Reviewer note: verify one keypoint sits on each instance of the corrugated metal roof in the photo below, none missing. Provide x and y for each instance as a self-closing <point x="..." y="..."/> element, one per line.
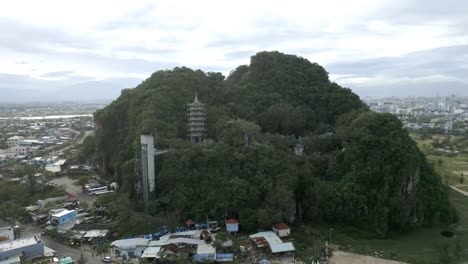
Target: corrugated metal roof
<point x="180" y="240"/>
<point x="206" y="249"/>
<point x="269" y="236"/>
<point x="271" y="239"/>
<point x="281" y="226"/>
<point x="232" y="221"/>
<point x="282" y="247"/>
<point x="131" y="243"/>
<point x="151" y="252"/>
<point x="96" y="233"/>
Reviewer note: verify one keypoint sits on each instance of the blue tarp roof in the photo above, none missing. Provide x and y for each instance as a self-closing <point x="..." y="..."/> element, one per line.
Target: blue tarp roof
<point x="203" y="257"/>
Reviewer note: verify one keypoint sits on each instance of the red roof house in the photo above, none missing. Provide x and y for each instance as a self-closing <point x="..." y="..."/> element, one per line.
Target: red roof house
<point x="282" y="230"/>
<point x="232" y="225"/>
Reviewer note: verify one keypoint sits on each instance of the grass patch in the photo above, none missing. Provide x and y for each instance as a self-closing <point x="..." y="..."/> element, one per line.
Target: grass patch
<point x="449" y="168"/>
<point x="423" y="245"/>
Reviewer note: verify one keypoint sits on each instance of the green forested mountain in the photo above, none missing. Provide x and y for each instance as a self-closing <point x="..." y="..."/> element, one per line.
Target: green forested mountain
<point x="358" y="167"/>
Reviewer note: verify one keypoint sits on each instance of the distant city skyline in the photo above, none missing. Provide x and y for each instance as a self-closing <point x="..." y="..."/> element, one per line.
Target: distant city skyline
<point x="85" y="50"/>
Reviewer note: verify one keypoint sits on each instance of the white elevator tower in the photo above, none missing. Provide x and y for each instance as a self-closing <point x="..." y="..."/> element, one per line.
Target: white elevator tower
<point x="147" y="167"/>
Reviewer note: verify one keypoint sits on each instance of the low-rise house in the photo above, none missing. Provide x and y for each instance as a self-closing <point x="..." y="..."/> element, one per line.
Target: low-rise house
<point x="57" y="166"/>
<point x="19" y="251"/>
<point x="96" y="236"/>
<point x="151" y="253"/>
<point x="282" y="230"/>
<point x="62" y="217"/>
<point x="232" y="226"/>
<point x="13" y="141"/>
<point x="273" y="242"/>
<point x="7" y="233"/>
<point x="205" y="253"/>
<point x="129" y="248"/>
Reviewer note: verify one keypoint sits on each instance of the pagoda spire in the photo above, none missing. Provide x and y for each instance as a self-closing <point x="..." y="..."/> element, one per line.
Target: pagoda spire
<point x="196" y="121"/>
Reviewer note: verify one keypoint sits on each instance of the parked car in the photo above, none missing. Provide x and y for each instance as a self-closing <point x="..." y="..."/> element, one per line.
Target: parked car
<point x="106" y="259"/>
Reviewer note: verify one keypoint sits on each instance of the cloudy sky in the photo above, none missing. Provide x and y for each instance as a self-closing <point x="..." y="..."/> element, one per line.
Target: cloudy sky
<point x="91" y="49"/>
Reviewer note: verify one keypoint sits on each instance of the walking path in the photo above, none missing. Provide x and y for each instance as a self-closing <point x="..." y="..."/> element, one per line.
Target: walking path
<point x="458" y="190"/>
<point x="341" y="257"/>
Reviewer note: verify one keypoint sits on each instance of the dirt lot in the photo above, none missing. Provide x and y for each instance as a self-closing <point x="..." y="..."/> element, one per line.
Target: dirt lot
<point x="341" y="257"/>
<point x="74" y="189"/>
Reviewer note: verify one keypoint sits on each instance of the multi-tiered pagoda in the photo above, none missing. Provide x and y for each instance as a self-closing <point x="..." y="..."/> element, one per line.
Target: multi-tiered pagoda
<point x="196" y="121"/>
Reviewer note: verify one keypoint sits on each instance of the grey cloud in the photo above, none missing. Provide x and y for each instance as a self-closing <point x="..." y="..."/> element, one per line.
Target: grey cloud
<point x="266" y="37"/>
<point x="428" y="12"/>
<point x="76" y="88"/>
<point x="410" y="88"/>
<point x="435" y="9"/>
<point x="144" y="17"/>
<point x="29" y="38"/>
<point x="57" y="74"/>
<point x="450" y="61"/>
<point x="241" y="54"/>
<point x="442" y="70"/>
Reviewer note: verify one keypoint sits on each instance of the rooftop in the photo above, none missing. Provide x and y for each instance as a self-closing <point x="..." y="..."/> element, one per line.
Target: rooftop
<point x="96" y="233"/>
<point x="269" y="238"/>
<point x="196" y="102"/>
<point x="281" y="226"/>
<point x="282" y="247"/>
<point x="206" y="249"/>
<point x="14" y="244"/>
<point x="151" y="252"/>
<point x="232" y="221"/>
<point x="15" y="138"/>
<point x="130" y="243"/>
<point x="180" y="240"/>
<point x="63" y="213"/>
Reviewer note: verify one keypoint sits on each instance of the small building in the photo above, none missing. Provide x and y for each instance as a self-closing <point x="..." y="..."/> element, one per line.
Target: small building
<point x="13" y="141"/>
<point x="190" y="224"/>
<point x="67" y="260"/>
<point x="57" y="166"/>
<point x="7" y="233"/>
<point x="224" y="257"/>
<point x="62" y="217"/>
<point x="232" y="225"/>
<point x="282" y="230"/>
<point x="19" y="251"/>
<point x="96" y="236"/>
<point x="129" y="248"/>
<point x="151" y="253"/>
<point x="270" y="240"/>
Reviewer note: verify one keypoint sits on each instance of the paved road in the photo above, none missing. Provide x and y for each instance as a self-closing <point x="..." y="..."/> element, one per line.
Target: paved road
<point x="62" y="250"/>
<point x="458" y="190"/>
<point x="74" y="189"/>
<point x="87" y="133"/>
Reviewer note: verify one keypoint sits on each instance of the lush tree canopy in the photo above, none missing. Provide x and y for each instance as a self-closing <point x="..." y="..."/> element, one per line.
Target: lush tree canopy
<point x="358" y="167"/>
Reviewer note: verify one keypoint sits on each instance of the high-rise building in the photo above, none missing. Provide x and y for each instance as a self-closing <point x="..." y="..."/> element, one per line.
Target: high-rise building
<point x="196" y="121"/>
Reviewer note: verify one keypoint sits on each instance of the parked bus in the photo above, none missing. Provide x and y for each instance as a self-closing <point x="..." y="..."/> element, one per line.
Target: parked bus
<point x="97" y="189"/>
<point x="102" y="192"/>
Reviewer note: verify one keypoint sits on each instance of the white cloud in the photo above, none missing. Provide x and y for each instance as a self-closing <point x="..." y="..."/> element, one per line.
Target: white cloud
<point x="108" y="38"/>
